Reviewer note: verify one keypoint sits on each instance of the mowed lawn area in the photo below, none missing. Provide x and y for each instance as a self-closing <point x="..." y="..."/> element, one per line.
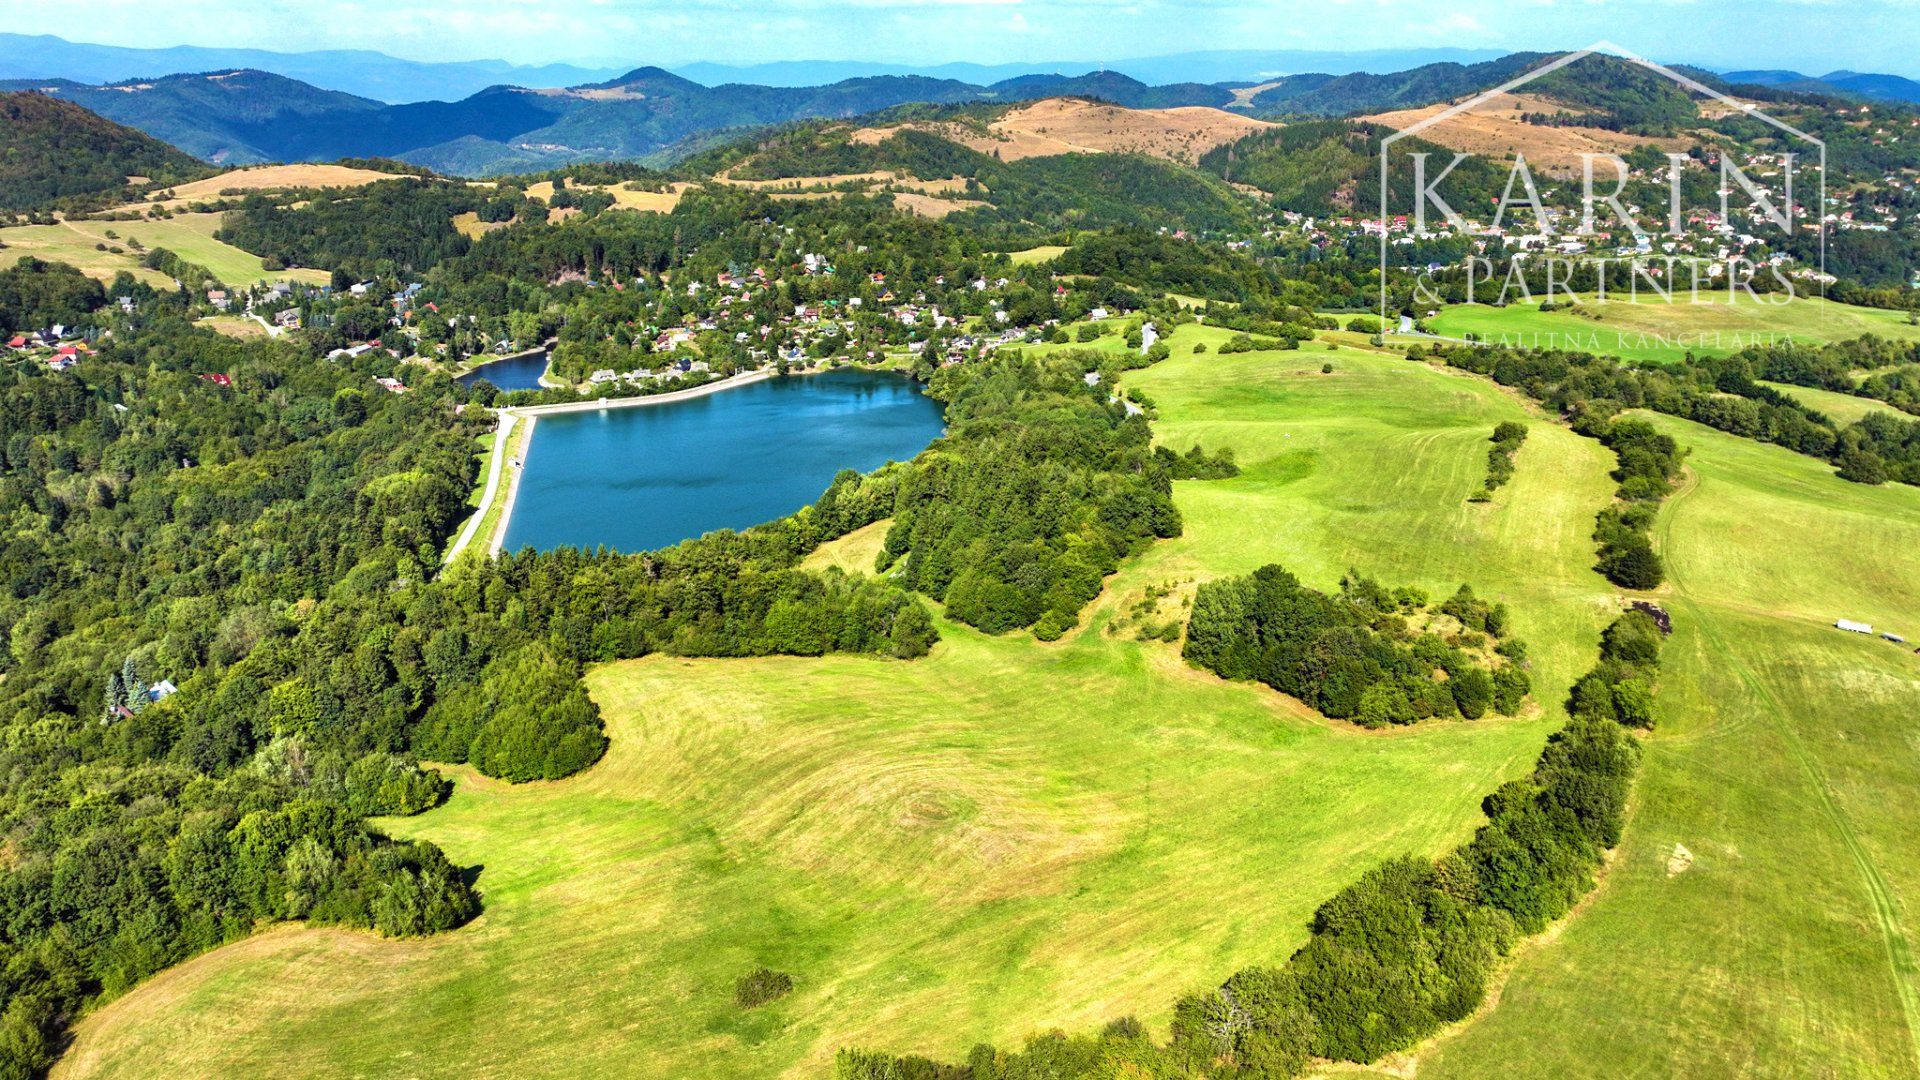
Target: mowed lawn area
<point x="1002" y="838"/>
<point x="1655" y="330"/>
<point x="189" y="236"/>
<point x="1785" y="765"/>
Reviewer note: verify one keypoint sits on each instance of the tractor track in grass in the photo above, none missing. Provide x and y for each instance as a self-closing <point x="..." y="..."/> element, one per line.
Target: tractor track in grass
<point x="1886" y="909"/>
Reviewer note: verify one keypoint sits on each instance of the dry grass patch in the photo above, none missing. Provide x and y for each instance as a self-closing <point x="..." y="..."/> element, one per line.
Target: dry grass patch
<point x="1075" y="126"/>
<point x="1494" y="129"/>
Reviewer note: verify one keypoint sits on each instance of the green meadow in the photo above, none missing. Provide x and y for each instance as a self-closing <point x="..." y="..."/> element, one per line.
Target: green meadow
<point x="1716" y="325"/>
<point x="189" y="236"/>
<point x="1761" y="915"/>
<point x="999" y="839"/>
<point x="1008" y="836"/>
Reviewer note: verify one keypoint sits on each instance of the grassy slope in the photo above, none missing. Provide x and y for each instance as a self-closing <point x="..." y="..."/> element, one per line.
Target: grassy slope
<point x="1783" y="763"/>
<point x="1840" y="408"/>
<point x="1666" y="332"/>
<point x="997" y="839"/>
<point x="189" y="236"/>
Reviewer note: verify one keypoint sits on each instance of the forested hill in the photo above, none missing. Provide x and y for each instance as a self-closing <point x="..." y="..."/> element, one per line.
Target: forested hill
<point x="652" y="115"/>
<point x="239" y="117"/>
<point x="52" y="149"/>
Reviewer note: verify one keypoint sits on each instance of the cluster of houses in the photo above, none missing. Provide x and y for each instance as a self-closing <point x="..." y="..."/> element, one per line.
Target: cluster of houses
<point x="57" y="346"/>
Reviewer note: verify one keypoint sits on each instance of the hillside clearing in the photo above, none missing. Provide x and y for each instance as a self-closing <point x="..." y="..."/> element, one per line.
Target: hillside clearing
<point x="1785" y="948"/>
<point x="1494" y="128"/>
<point x="1078" y="126"/>
<point x="189" y="236"/>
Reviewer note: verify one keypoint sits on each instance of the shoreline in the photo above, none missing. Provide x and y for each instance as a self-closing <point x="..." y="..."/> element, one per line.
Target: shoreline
<point x="499" y="536"/>
<point x="531" y="414"/>
<point x="595" y="404"/>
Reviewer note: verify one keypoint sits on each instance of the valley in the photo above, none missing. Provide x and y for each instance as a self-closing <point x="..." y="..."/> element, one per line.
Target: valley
<point x="958" y="574"/>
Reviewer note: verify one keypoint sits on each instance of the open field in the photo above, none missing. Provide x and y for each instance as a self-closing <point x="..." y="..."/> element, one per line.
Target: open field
<point x="260" y="178"/>
<point x="189" y="236"/>
<point x="238" y="326"/>
<point x="1001" y="838"/>
<point x="857" y="552"/>
<point x="1785" y="763"/>
<point x="1667" y="332"/>
<point x="1033" y="255"/>
<point x="1077" y="126"/>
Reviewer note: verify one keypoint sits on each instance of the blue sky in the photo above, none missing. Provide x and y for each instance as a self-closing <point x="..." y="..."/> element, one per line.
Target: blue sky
<point x="1812" y="35"/>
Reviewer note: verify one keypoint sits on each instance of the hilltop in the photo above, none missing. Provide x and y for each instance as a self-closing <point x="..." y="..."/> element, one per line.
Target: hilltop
<point x="51" y="149"/>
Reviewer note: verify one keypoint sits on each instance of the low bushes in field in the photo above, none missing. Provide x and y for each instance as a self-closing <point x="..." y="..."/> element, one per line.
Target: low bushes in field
<point x="761" y="986"/>
<point x="1507" y="437"/>
<point x="1368" y="654"/>
<point x="1649" y="464"/>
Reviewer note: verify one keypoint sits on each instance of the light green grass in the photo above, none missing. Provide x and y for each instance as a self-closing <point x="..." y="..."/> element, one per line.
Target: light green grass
<point x="189" y="236"/>
<point x="1034" y="255"/>
<point x="1840" y="408"/>
<point x="1785" y="762"/>
<point x="998" y="839"/>
<point x="1667" y="332"/>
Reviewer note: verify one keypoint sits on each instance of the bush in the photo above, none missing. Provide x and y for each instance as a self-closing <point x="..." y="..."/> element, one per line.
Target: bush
<point x="761" y="986"/>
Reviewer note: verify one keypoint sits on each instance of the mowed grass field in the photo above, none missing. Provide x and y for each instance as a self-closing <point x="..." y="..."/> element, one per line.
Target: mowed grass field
<point x="999" y="839"/>
<point x="1786" y="760"/>
<point x="189" y="236"/>
<point x="1666" y="332"/>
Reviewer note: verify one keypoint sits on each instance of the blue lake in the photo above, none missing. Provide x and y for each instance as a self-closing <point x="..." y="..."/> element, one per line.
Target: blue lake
<point x="517" y="373"/>
<point x="650" y="476"/>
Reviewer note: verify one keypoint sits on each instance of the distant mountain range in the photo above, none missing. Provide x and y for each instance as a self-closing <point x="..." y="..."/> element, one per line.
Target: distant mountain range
<point x="1838" y="83"/>
<point x="235" y="116"/>
<point x="390" y="79"/>
<point x="247" y="116"/>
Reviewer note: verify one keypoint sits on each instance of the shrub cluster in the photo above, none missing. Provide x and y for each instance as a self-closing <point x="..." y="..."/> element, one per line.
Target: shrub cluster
<point x="1507" y="437"/>
<point x="761" y="986"/>
<point x="1649" y="463"/>
<point x="1367" y="654"/>
<point x="1398" y="954"/>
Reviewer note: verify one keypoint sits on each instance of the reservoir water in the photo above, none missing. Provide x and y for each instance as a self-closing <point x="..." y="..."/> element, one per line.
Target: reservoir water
<point x="513" y="373"/>
<point x="650" y="476"/>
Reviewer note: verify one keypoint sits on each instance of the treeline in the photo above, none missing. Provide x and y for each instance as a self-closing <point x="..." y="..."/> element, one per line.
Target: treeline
<point x="1649" y="463"/>
<point x="392" y="228"/>
<point x="1720" y="392"/>
<point x="1375" y="656"/>
<point x="1507" y="437"/>
<point x="1399" y="954"/>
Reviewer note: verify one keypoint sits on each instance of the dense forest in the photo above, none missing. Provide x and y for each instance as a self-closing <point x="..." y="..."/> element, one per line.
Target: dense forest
<point x="1376" y="656"/>
<point x="97" y="159"/>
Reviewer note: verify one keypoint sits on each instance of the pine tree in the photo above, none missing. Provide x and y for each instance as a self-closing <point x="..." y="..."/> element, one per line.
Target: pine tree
<point x="116" y="697"/>
<point x="133" y="691"/>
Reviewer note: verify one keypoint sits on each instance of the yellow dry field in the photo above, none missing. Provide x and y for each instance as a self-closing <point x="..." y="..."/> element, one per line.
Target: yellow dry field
<point x="1493" y="128"/>
<point x="1074" y="126"/>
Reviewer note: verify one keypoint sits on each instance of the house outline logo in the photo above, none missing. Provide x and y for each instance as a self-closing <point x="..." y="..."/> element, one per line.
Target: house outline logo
<point x="1598" y="48"/>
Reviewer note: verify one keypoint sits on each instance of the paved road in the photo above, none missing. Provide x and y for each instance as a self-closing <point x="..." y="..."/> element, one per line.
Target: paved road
<point x="500" y="434"/>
